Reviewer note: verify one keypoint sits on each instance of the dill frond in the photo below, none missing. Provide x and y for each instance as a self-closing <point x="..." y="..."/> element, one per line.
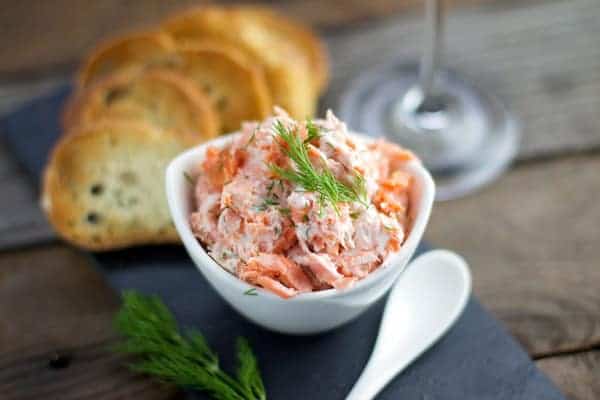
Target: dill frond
<point x="151" y="333"/>
<point x="248" y="372"/>
<point x="313" y="131"/>
<point x="321" y="180"/>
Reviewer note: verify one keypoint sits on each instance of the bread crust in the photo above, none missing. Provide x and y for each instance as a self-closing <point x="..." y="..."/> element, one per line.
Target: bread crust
<point x="100" y="192"/>
<point x="133" y="51"/>
<point x="164" y="98"/>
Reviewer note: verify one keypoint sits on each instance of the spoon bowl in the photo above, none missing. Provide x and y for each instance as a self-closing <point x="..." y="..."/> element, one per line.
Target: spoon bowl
<point x="422" y="306"/>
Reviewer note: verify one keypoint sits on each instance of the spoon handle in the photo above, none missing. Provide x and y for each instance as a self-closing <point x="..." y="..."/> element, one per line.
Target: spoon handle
<point x="422" y="305"/>
<point x="373" y="379"/>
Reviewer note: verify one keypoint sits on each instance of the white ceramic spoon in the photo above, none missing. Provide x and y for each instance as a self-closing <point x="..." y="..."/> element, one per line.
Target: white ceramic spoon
<point x="425" y="302"/>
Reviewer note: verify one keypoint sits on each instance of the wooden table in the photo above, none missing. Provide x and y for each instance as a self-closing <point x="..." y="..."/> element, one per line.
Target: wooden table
<point x="532" y="238"/>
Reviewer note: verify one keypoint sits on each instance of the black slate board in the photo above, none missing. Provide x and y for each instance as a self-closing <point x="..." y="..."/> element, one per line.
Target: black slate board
<point x="477" y="360"/>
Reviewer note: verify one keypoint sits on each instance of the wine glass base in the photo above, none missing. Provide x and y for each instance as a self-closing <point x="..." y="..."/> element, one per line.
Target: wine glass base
<point x="465" y="136"/>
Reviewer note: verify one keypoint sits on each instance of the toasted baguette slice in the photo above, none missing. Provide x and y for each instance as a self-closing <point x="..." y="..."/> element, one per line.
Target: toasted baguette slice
<point x="304" y="39"/>
<point x="130" y="52"/>
<point x="285" y="66"/>
<point x="163" y="98"/>
<point x="104" y="185"/>
<point x="237" y="88"/>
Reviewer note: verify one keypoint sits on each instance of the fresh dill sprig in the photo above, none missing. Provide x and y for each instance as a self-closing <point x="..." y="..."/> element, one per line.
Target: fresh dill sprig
<point x="251" y="292"/>
<point x="251" y="139"/>
<point x="151" y="333"/>
<point x="321" y="181"/>
<point x="271" y="202"/>
<point x="285" y="211"/>
<point x="188" y="178"/>
<point x="388" y="228"/>
<point x="266" y="204"/>
<point x="248" y="373"/>
<point x="270" y="188"/>
<point x="313" y="131"/>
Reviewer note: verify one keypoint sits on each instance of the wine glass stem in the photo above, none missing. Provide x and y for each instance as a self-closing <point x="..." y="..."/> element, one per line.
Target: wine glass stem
<point x="430" y="59"/>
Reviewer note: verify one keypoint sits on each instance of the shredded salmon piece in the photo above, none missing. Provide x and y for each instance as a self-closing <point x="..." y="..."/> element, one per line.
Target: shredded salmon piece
<point x="275" y="286"/>
<point x="221" y="166"/>
<point x="278" y="268"/>
<point x="398" y="182"/>
<point x="213" y="167"/>
<point x="285" y="241"/>
<point x="344" y="283"/>
<point x="321" y="266"/>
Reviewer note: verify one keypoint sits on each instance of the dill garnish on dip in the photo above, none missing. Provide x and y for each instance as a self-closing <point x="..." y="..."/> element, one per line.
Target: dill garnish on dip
<point x="300" y="206"/>
<point x="311" y="176"/>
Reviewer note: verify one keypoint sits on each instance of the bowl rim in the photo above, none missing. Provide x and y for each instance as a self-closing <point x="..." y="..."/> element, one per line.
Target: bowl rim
<point x="175" y="175"/>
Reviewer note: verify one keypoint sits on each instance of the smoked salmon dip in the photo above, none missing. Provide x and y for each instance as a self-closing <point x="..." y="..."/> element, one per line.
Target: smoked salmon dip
<point x="300" y="206"/>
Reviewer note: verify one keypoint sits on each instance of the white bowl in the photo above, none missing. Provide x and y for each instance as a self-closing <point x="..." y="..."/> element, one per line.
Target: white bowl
<point x="305" y="313"/>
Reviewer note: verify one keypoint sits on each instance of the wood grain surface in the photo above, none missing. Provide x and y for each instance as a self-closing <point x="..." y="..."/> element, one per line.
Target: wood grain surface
<point x="577" y="374"/>
<point x="56" y="328"/>
<point x="533" y="244"/>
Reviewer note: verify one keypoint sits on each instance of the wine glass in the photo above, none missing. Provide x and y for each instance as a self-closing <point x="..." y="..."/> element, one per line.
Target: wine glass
<point x="464" y="135"/>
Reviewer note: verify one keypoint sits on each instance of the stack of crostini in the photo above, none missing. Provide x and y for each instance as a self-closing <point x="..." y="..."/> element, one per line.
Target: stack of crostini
<point x="142" y="98"/>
